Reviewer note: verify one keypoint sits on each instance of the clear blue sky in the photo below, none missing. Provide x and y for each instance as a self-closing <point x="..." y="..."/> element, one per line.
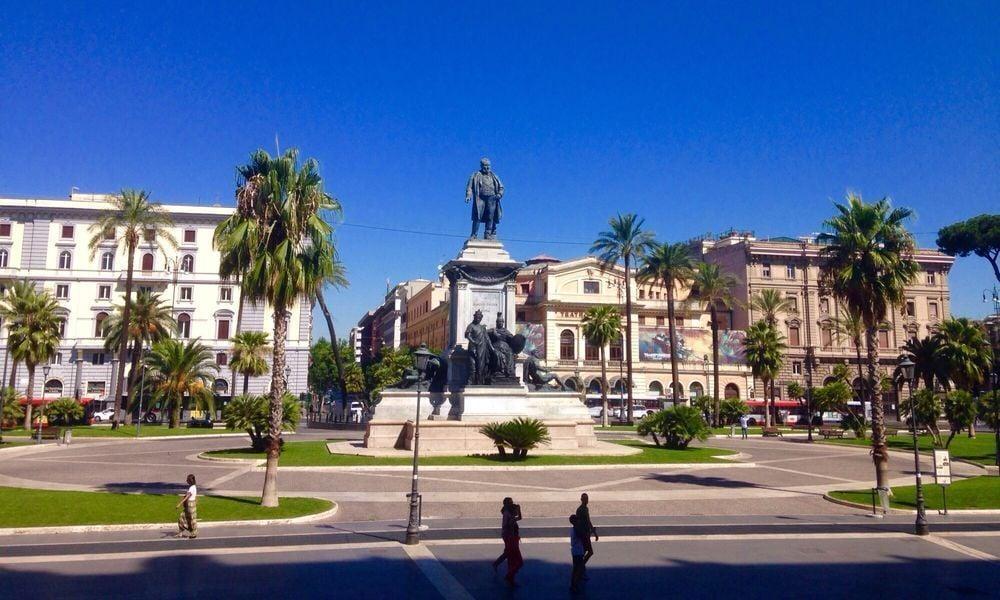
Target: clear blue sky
<point x="699" y="116"/>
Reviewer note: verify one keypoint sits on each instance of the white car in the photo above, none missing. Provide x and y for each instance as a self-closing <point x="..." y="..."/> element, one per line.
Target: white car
<point x="105" y="415"/>
<point x="638" y="412"/>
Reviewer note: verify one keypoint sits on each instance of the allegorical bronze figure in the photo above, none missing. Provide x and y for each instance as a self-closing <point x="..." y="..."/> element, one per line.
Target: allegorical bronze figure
<point x="484" y="191"/>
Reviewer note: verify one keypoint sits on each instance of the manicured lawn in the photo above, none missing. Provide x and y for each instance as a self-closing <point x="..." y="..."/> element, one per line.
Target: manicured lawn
<point x="20" y="507"/>
<point x="126" y="431"/>
<point x="11" y="444"/>
<point x="976" y="492"/>
<point x="314" y="454"/>
<point x="980" y="449"/>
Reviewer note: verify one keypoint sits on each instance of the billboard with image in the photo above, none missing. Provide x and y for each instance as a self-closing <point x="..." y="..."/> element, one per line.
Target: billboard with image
<point x="693" y="343"/>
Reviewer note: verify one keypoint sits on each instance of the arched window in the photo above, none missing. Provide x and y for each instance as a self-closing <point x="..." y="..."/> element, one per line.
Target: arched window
<point x="594" y="387"/>
<point x="147" y="261"/>
<point x="618" y="386"/>
<point x="829" y="380"/>
<point x="222" y="359"/>
<point x="696" y="389"/>
<point x="3" y="258"/>
<point x="184" y="325"/>
<point x="99" y="325"/>
<point x="567" y="345"/>
<point x="65" y="260"/>
<point x="656" y="387"/>
<point x="187" y="263"/>
<point x="680" y="389"/>
<point x="732" y="391"/>
<point x="221" y="387"/>
<point x="54" y="387"/>
<point x="107" y="261"/>
<point x="571" y="384"/>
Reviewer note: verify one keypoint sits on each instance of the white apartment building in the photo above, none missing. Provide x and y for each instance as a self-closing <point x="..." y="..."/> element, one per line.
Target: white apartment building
<point x="46" y="242"/>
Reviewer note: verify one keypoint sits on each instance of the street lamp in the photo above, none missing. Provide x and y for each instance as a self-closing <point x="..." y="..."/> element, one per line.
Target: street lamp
<point x="116" y="395"/>
<point x="907" y="368"/>
<point x="420" y="360"/>
<point x="142" y="385"/>
<point x="45" y="378"/>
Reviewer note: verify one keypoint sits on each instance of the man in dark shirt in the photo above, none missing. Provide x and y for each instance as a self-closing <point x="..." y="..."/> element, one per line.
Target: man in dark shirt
<point x="585" y="528"/>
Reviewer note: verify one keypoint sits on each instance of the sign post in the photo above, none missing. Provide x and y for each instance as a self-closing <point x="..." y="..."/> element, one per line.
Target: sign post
<point x="942" y="474"/>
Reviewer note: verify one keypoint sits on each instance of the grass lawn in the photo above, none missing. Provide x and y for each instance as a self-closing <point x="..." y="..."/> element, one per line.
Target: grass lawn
<point x="980" y="449"/>
<point x="11" y="444"/>
<point x="975" y="492"/>
<point x="125" y="431"/>
<point x="20" y="507"/>
<point x="315" y="454"/>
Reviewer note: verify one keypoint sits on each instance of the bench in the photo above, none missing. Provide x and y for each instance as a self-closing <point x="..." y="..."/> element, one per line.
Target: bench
<point x="771" y="432"/>
<point x="891" y="432"/>
<point x="48" y="432"/>
<point x="828" y="433"/>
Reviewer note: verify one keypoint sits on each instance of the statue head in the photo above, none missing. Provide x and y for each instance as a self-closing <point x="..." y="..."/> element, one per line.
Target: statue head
<point x="501" y="322"/>
<point x="477" y="317"/>
<point x="484" y="165"/>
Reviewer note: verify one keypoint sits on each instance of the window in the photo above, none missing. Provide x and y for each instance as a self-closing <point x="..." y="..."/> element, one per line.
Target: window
<point x="190" y="235"/>
<point x="99" y="327"/>
<point x="826" y="337"/>
<point x="62" y="328"/>
<point x="4" y="229"/>
<point x="65" y="260"/>
<point x="184" y="326"/>
<point x="567" y="345"/>
<point x="591" y="287"/>
<point x="660" y="321"/>
<point x="186" y="294"/>
<point x="222" y="359"/>
<point x="187" y="263"/>
<point x="796" y="367"/>
<point x="147" y="262"/>
<point x="520" y="316"/>
<point x="911" y="309"/>
<point x="58" y="358"/>
<point x="931" y="278"/>
<point x="525" y="288"/>
<point x="642" y="319"/>
<point x="104" y="292"/>
<point x="107" y="261"/>
<point x="145" y="289"/>
<point x="149" y="235"/>
<point x="793" y="304"/>
<point x="97" y="358"/>
<point x="95" y="388"/>
<point x="109" y="233"/>
<point x="3" y="258"/>
<point x="766" y="270"/>
<point x="678" y="321"/>
<point x="222" y="329"/>
<point x="62" y="291"/>
<point x="793" y="336"/>
<point x="932" y="309"/>
<point x="789" y="271"/>
<point x="54" y="387"/>
<point x="591" y="352"/>
<point x="883" y="338"/>
<point x="696" y="389"/>
<point x="225" y="294"/>
<point x="616" y="350"/>
<point x="657" y="295"/>
<point x="824" y="305"/>
<point x="733" y="391"/>
<point x="67" y="232"/>
<point x="642" y="294"/>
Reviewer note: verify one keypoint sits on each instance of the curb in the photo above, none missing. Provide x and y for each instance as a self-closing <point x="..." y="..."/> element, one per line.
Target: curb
<point x="156" y="526"/>
<point x="906" y="511"/>
<point x="648" y="466"/>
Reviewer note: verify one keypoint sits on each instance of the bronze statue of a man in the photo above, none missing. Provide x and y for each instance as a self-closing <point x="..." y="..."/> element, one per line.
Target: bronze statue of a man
<point x="480" y="350"/>
<point x="484" y="191"/>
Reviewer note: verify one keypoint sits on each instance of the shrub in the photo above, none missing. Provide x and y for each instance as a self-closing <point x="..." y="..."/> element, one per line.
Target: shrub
<point x="250" y="413"/>
<point x="732" y="409"/>
<point x="12" y="411"/>
<point x="856" y="423"/>
<point x="989" y="409"/>
<point x="926" y="405"/>
<point x="960" y="410"/>
<point x="64" y="411"/>
<point x="677" y="426"/>
<point x="494" y="431"/>
<point x="521" y="434"/>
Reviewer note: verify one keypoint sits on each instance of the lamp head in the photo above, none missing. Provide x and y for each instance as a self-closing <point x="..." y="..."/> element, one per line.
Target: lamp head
<point x="907" y="367"/>
<point x="421" y="357"/>
<point x="45" y="369"/>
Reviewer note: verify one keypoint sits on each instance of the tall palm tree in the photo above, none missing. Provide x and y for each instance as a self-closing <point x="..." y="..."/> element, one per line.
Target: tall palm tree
<point x="627" y="242"/>
<point x="601" y="326"/>
<point x="131" y="217"/>
<point x="33" y="332"/>
<point x="867" y="264"/>
<point x="250" y="355"/>
<point x="671" y="266"/>
<point x="325" y="269"/>
<point x="151" y="322"/>
<point x="765" y="350"/>
<point x="769" y="303"/>
<point x="178" y="370"/>
<point x="928" y="364"/>
<point x="16" y="300"/>
<point x="281" y="208"/>
<point x="713" y="286"/>
<point x="850" y="326"/>
<point x="966" y="354"/>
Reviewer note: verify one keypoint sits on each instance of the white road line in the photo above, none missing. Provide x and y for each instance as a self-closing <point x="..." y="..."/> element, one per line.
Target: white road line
<point x="228" y="476"/>
<point x="128" y="464"/>
<point x="469" y="481"/>
<point x="816" y="475"/>
<point x="961" y="549"/>
<point x="442" y="580"/>
<point x="814" y="457"/>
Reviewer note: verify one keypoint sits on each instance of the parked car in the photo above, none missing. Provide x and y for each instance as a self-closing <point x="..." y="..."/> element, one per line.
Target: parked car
<point x="638" y="412"/>
<point x="105" y="415"/>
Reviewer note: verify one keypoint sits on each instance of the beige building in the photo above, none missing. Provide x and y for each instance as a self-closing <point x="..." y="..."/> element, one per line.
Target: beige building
<point x="427" y="317"/>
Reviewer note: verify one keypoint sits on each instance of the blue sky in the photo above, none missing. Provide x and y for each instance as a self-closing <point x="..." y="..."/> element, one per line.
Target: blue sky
<point x="699" y="116"/>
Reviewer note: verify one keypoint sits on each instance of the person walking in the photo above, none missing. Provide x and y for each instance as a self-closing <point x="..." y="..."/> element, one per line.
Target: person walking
<point x="188" y="520"/>
<point x="744" y="421"/>
<point x="584" y="529"/>
<point x="576" y="552"/>
<point x="511" y="535"/>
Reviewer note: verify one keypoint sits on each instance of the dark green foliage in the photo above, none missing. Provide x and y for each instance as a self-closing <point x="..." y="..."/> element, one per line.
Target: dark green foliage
<point x="856" y="423"/>
<point x="322" y="367"/>
<point x="521" y="434"/>
<point x="978" y="235"/>
<point x="64" y="411"/>
<point x="678" y="426"/>
<point x="960" y="409"/>
<point x="249" y="413"/>
<point x="731" y="410"/>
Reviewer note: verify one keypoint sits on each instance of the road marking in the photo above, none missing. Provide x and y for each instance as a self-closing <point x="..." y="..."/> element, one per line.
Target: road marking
<point x="442" y="580"/>
<point x="961" y="549"/>
<point x="228" y="477"/>
<point x="816" y="475"/>
<point x="407" y="477"/>
<point x="127" y="464"/>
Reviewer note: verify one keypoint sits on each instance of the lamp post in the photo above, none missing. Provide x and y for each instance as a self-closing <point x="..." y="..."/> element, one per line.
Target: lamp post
<point x="116" y="396"/>
<point x="142" y="385"/>
<point x="420" y="359"/>
<point x="906" y="367"/>
<point x="45" y="378"/>
<point x="708" y="382"/>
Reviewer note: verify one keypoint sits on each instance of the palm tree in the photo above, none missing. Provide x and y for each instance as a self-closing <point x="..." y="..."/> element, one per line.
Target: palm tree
<point x="627" y="242"/>
<point x="928" y="363"/>
<point x="851" y="326"/>
<point x="33" y="332"/>
<point x="132" y="217"/>
<point x="15" y="301"/>
<point x="280" y="211"/>
<point x="323" y="269"/>
<point x="177" y="370"/>
<point x="713" y="286"/>
<point x="867" y="264"/>
<point x="249" y="355"/>
<point x="765" y="349"/>
<point x="770" y="302"/>
<point x="966" y="354"/>
<point x="601" y="326"/>
<point x="671" y="266"/>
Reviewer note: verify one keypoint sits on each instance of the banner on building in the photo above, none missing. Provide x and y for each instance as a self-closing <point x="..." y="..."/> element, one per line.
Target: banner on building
<point x="534" y="335"/>
<point x="693" y="343"/>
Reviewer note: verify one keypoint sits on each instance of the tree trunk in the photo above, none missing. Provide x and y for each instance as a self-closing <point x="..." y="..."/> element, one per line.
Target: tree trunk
<point x="175" y="413"/>
<point x="880" y="451"/>
<point x="239" y="326"/>
<point x="628" y="334"/>
<point x="123" y="343"/>
<point x="269" y="497"/>
<point x="605" y="422"/>
<point x="861" y="376"/>
<point x="715" y="366"/>
<point x="673" y="342"/>
<point x="13" y="373"/>
<point x="341" y="379"/>
<point x="27" y="394"/>
<point x="767" y="408"/>
<point x="246" y="383"/>
<point x="133" y="379"/>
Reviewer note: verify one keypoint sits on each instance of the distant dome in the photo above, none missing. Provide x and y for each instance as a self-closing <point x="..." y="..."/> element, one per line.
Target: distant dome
<point x="541" y="259"/>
